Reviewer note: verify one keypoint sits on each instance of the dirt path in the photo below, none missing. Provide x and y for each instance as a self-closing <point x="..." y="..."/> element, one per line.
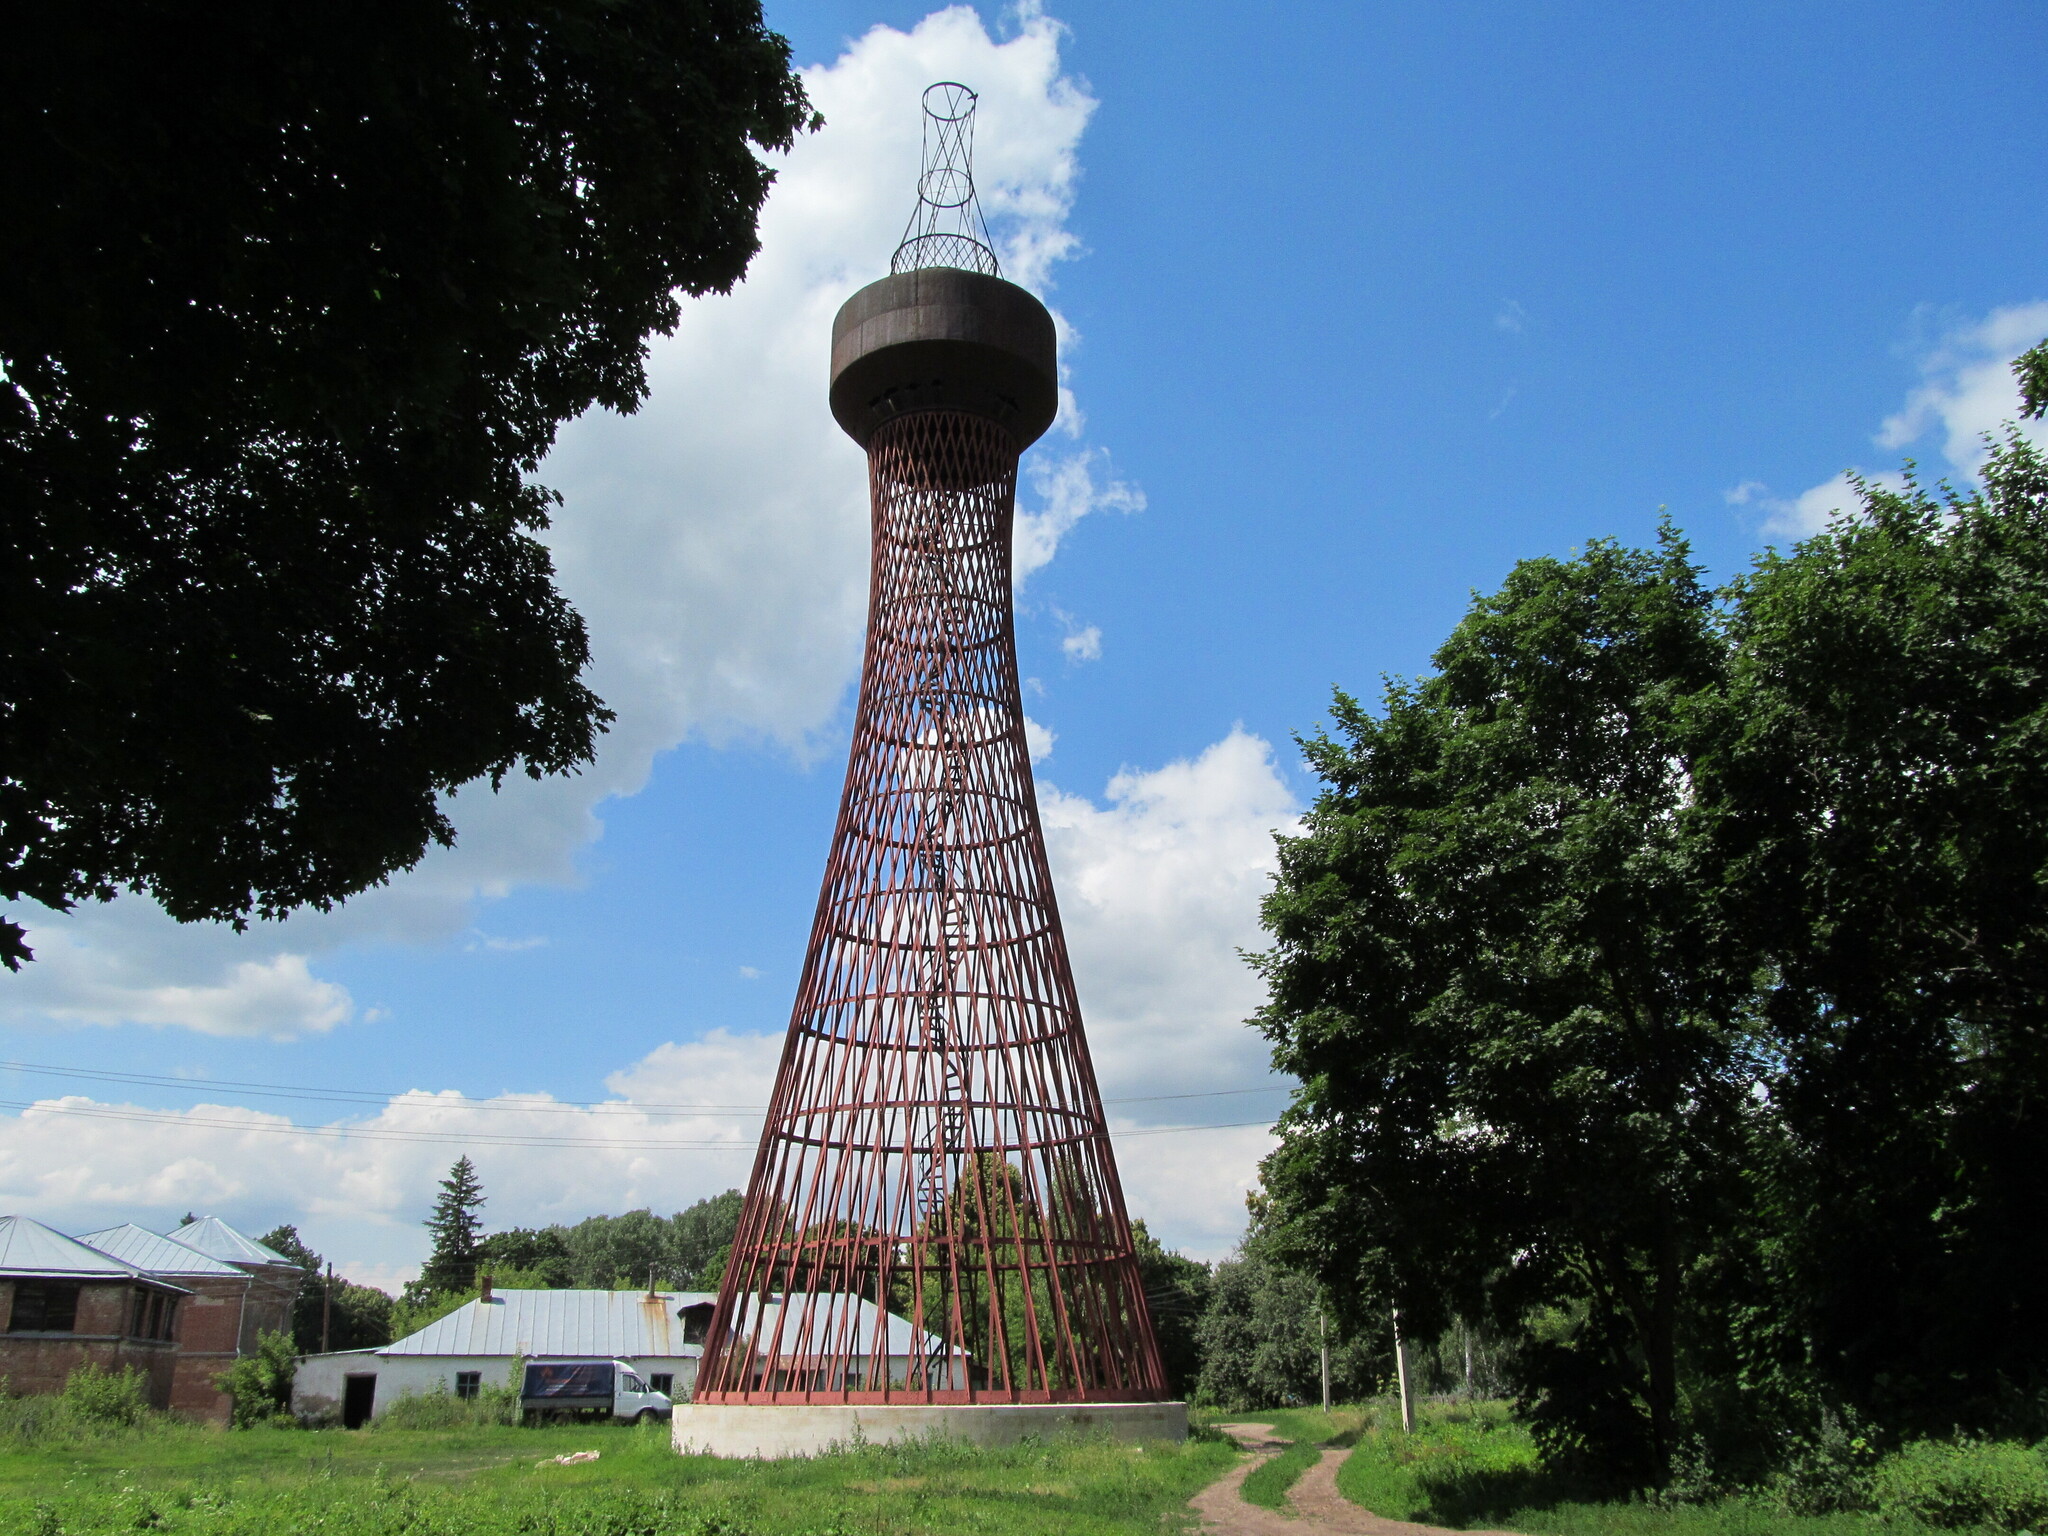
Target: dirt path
<point x="1318" y="1508"/>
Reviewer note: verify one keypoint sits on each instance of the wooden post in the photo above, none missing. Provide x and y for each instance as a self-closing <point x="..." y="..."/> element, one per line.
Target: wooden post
<point x="326" y="1307"/>
<point x="1401" y="1375"/>
<point x="1323" y="1336"/>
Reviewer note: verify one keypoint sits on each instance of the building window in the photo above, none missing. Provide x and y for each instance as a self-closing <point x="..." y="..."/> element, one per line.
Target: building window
<point x="166" y="1325"/>
<point x="663" y="1382"/>
<point x="468" y="1383"/>
<point x="138" y="1321"/>
<point x="44" y="1306"/>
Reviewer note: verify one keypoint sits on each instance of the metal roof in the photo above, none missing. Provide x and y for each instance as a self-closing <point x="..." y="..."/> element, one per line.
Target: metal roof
<point x="613" y="1324"/>
<point x="216" y="1239"/>
<point x="824" y="1313"/>
<point x="27" y="1247"/>
<point x="156" y="1253"/>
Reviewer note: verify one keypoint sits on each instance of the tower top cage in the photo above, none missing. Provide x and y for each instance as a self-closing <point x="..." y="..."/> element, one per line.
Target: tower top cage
<point x="946" y="228"/>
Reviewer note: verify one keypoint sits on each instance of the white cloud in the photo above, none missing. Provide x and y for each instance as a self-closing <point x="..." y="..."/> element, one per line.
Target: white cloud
<point x="1159" y="890"/>
<point x="1038" y="740"/>
<point x="277" y="997"/>
<point x="1808" y="513"/>
<point x="1511" y="318"/>
<point x="1083" y="644"/>
<point x="1967" y="388"/>
<point x="1159" y="887"/>
<point x="715" y="541"/>
<point x="82" y="1163"/>
<point x="1967" y="391"/>
<point x="749" y="973"/>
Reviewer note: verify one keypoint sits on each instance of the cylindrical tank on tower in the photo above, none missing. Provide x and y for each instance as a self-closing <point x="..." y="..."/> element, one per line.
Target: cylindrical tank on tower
<point x="939" y="338"/>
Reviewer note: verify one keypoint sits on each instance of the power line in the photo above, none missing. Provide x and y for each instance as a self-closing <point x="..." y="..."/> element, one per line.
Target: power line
<point x="479" y="1138"/>
<point x="497" y="1105"/>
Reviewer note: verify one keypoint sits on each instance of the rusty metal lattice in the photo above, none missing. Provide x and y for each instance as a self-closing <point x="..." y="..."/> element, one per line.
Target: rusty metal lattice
<point x="934" y="1214"/>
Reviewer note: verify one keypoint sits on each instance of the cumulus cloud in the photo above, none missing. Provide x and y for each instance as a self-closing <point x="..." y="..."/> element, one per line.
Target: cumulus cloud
<point x="277" y="997"/>
<point x="1967" y="392"/>
<point x="715" y="541"/>
<point x="1159" y="884"/>
<point x="1083" y="644"/>
<point x="1967" y="389"/>
<point x="1808" y="513"/>
<point x="682" y="1126"/>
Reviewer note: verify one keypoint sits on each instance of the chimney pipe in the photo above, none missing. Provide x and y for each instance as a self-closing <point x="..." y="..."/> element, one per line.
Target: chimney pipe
<point x="484" y="1288"/>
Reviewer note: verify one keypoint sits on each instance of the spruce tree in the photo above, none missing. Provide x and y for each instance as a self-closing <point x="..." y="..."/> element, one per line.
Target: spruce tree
<point x="457" y="1230"/>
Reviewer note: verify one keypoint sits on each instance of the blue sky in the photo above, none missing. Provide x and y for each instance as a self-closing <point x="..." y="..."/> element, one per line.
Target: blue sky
<point x="1364" y="303"/>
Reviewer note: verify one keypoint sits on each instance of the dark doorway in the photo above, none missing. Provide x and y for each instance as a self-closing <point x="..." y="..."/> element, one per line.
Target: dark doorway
<point x="358" y="1397"/>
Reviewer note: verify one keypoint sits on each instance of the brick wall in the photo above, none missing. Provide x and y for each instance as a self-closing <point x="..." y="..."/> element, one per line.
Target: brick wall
<point x="38" y="1363"/>
<point x="210" y="1326"/>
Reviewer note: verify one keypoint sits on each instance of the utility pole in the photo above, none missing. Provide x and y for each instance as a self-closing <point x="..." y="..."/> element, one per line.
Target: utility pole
<point x="1401" y="1375"/>
<point x="1323" y="1333"/>
<point x="326" y="1307"/>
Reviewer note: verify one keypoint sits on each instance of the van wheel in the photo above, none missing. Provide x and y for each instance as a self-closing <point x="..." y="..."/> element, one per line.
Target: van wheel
<point x="645" y="1416"/>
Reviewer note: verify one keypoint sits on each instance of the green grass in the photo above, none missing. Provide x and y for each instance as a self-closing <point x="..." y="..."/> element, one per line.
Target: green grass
<point x="1473" y="1467"/>
<point x="486" y="1482"/>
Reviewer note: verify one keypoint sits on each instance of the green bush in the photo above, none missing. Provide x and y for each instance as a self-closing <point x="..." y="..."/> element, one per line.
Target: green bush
<point x="96" y="1396"/>
<point x="442" y="1409"/>
<point x="261" y="1384"/>
<point x="1829" y="1472"/>
<point x="95" y="1404"/>
<point x="1956" y="1484"/>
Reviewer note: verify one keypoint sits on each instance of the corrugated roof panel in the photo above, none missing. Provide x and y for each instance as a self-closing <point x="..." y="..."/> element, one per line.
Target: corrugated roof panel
<point x="27" y="1247"/>
<point x="612" y="1324"/>
<point x="216" y="1239"/>
<point x="156" y="1253"/>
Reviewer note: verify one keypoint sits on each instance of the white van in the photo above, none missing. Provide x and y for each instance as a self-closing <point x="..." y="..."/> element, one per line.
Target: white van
<point x="594" y="1387"/>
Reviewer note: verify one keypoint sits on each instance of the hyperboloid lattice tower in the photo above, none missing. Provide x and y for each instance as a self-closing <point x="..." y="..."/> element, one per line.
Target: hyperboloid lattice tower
<point x="934" y="1216"/>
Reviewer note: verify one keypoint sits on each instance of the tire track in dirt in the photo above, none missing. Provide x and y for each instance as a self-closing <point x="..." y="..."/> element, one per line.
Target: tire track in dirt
<point x="1316" y="1507"/>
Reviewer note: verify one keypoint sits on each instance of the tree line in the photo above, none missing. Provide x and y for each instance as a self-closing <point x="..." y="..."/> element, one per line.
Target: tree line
<point x="1664" y="973"/>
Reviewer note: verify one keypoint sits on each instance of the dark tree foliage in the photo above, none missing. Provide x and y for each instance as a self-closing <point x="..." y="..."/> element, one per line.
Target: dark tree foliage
<point x="356" y="1316"/>
<point x="456" y="1228"/>
<point x="292" y="301"/>
<point x="1176" y="1294"/>
<point x="1665" y="977"/>
<point x="1884" y="795"/>
<point x="1497" y="975"/>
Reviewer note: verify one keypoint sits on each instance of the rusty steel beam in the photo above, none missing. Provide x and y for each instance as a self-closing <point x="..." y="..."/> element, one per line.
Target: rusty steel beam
<point x="934" y="1214"/>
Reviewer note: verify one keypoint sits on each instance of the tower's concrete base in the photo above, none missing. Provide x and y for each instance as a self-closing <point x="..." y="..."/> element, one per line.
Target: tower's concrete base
<point x="777" y="1430"/>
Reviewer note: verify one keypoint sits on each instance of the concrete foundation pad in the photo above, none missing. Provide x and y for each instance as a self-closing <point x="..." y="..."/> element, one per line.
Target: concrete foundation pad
<point x="777" y="1430"/>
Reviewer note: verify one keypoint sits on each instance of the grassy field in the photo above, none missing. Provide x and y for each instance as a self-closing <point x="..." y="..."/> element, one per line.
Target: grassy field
<point x="1475" y="1468"/>
<point x="502" y="1481"/>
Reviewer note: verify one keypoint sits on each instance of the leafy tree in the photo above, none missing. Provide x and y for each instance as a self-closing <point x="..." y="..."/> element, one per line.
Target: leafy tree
<point x="292" y="302"/>
<point x="456" y="1229"/>
<point x="541" y="1254"/>
<point x="1176" y="1293"/>
<point x="1522" y="1034"/>
<point x="704" y="1235"/>
<point x="350" y="1316"/>
<point x="1883" y="797"/>
<point x="1262" y="1333"/>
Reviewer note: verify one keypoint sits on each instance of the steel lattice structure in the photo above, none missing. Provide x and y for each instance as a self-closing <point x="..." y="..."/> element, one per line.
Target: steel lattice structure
<point x="934" y="1214"/>
<point x="946" y="228"/>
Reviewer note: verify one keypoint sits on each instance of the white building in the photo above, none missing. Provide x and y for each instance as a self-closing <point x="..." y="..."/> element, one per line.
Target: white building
<point x="659" y="1333"/>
